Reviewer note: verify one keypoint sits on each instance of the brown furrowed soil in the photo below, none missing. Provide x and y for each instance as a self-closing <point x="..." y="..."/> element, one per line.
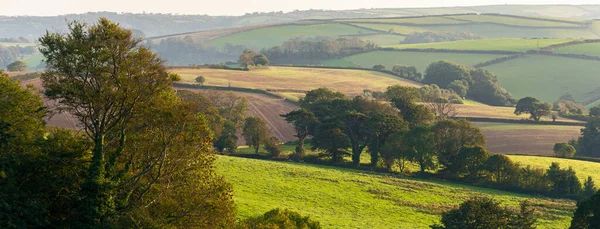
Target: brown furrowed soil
<point x="527" y="139"/>
<point x="54" y="117"/>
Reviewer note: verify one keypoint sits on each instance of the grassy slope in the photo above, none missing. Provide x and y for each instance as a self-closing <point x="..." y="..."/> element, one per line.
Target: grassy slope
<point x="342" y="198"/>
<point x="351" y="82"/>
<point x="276" y="35"/>
<point x="591" y="49"/>
<point x="547" y="77"/>
<point x="583" y="168"/>
<point x="508" y="44"/>
<point x="418" y="59"/>
<point x="513" y="20"/>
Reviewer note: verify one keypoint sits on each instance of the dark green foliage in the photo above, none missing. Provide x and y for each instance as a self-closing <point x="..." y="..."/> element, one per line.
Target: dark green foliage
<point x="255" y="132"/>
<point x="228" y="139"/>
<point x="200" y="80"/>
<point x="261" y="60"/>
<point x="279" y="219"/>
<point x="460" y="87"/>
<point x="587" y="215"/>
<point x="429" y="37"/>
<point x="535" y="108"/>
<point x="419" y="148"/>
<point x="470" y="163"/>
<point x="501" y="169"/>
<point x="477" y="84"/>
<point x="17" y="66"/>
<point x="304" y="122"/>
<point x="563" y="181"/>
<point x="564" y="150"/>
<point x="589" y="187"/>
<point x="404" y="99"/>
<point x="443" y="73"/>
<point x="483" y="212"/>
<point x="407" y="72"/>
<point x="485" y="88"/>
<point x="595" y="111"/>
<point x="379" y="67"/>
<point x="450" y="137"/>
<point x="589" y="141"/>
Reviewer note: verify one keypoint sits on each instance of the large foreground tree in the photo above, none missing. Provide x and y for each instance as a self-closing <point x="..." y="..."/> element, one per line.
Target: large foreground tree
<point x="150" y="159"/>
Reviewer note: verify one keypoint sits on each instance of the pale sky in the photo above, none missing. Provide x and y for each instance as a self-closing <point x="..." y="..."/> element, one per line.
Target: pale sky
<point x="233" y="7"/>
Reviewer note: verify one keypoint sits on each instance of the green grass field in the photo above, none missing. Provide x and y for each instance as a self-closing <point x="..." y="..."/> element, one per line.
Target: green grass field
<point x="402" y="29"/>
<point x="276" y="35"/>
<point x="418" y="59"/>
<point x="583" y="168"/>
<point x="343" y="198"/>
<point x="591" y="49"/>
<point x="351" y="82"/>
<point x="34" y="61"/>
<point x="506" y="44"/>
<point x="547" y="77"/>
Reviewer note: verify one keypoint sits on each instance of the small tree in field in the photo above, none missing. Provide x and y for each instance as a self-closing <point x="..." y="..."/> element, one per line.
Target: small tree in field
<point x="200" y="80"/>
<point x="564" y="150"/>
<point x="255" y="132"/>
<point x="534" y="107"/>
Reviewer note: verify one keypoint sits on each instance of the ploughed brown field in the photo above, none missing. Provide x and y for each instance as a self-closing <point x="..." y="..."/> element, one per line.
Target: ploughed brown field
<point x="54" y="118"/>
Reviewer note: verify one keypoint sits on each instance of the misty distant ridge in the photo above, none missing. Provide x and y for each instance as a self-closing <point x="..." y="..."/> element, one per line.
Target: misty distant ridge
<point x="156" y="24"/>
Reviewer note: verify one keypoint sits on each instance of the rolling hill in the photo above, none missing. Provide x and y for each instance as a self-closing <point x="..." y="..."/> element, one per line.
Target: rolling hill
<point x="334" y="195"/>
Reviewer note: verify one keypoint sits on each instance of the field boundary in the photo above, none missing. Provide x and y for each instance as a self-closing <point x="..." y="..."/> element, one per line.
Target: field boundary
<point x="387" y="72"/>
<point x="498" y="52"/>
<point x="517" y="121"/>
<point x="237" y="89"/>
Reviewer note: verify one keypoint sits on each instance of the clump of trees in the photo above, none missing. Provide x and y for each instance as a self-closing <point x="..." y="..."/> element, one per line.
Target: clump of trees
<point x="564" y="150"/>
<point x="484" y="212"/>
<point x="477" y="84"/>
<point x="587" y="214"/>
<point x="123" y="170"/>
<point x="430" y="37"/>
<point x="407" y="72"/>
<point x="255" y="132"/>
<point x="17" y="66"/>
<point x="11" y="54"/>
<point x="532" y="106"/>
<point x="250" y="58"/>
<point x="313" y="50"/>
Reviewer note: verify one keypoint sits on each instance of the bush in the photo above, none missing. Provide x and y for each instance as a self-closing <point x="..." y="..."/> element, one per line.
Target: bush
<point x="279" y="219"/>
<point x="272" y="147"/>
<point x="564" y="150"/>
<point x="379" y="67"/>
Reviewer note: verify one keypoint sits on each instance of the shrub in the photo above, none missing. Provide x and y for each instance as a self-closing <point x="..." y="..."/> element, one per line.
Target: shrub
<point x="564" y="150"/>
<point x="279" y="219"/>
<point x="272" y="147"/>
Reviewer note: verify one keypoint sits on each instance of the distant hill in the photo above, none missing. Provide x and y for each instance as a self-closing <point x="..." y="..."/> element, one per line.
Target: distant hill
<point x="163" y="24"/>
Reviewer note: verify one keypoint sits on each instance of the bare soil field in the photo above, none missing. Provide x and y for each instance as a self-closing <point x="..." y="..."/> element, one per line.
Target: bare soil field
<point x="54" y="118"/>
<point x="526" y="139"/>
<point x="478" y="110"/>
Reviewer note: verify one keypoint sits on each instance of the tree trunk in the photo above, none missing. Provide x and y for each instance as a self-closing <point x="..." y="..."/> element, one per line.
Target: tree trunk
<point x="94" y="195"/>
<point x="300" y="146"/>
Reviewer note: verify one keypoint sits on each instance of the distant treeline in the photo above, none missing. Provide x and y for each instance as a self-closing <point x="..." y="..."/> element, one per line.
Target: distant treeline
<point x="315" y="49"/>
<point x="430" y="37"/>
<point x="190" y="50"/>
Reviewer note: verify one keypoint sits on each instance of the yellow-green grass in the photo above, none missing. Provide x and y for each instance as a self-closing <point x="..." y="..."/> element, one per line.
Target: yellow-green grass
<point x="409" y="20"/>
<point x="34" y="61"/>
<point x="582" y="168"/>
<point x="292" y="95"/>
<point x="527" y="139"/>
<point x="502" y="44"/>
<point x="276" y="35"/>
<point x="478" y="110"/>
<point x="548" y="77"/>
<point x="514" y="20"/>
<point x="591" y="49"/>
<point x="344" y="198"/>
<point x="418" y="59"/>
<point x="350" y="82"/>
<point x="382" y="39"/>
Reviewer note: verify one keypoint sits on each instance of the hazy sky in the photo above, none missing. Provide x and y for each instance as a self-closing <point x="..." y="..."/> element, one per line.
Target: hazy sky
<point x="233" y="7"/>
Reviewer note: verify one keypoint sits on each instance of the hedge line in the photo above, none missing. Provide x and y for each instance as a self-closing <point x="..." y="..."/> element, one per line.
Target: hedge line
<point x="555" y="46"/>
<point x="516" y="121"/>
<point x="500" y="52"/>
<point x="578" y="56"/>
<point x="238" y="89"/>
<point x="497" y="60"/>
